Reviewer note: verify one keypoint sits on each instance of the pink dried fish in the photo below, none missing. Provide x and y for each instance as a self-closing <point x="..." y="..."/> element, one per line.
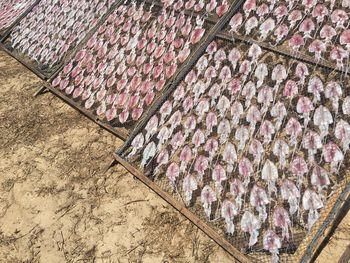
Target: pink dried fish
<point x="256" y="149"/>
<point x="266" y="27"/>
<point x="265" y="97"/>
<point x="342" y="133"/>
<point x="236" y="112"/>
<point x="312" y="142"/>
<point x="211" y="146"/>
<point x="228" y="211"/>
<point x="323" y="118"/>
<point x="234" y="56"/>
<point x="223" y="105"/>
<point x="250" y="224"/>
<point x="218" y="176"/>
<point x="304" y="107"/>
<point x="208" y="196"/>
<point x="293" y="128"/>
<point x="162" y="136"/>
<point x="253" y="117"/>
<point x="251" y="23"/>
<point x="254" y="52"/>
<point x="248" y="92"/>
<point x="162" y="159"/>
<point x="173" y="172"/>
<point x="333" y="155"/>
<point x="189" y="125"/>
<point x="290" y="193"/>
<point x="242" y="136"/>
<point x="272" y="243"/>
<point x="312" y="202"/>
<point x="200" y="166"/>
<point x="290" y="89"/>
<point x="229" y="156"/>
<point x="151" y="127"/>
<point x="185" y="158"/>
<point x="189" y="185"/>
<point x="302" y="72"/>
<point x="148" y="153"/>
<point x="224" y="129"/>
<point x="245" y="169"/>
<point x="211" y="121"/>
<point x="202" y="108"/>
<point x="299" y="168"/>
<point x="259" y="200"/>
<point x="137" y="144"/>
<point x="237" y="190"/>
<point x="333" y="91"/>
<point x="269" y="173"/>
<point x="319" y="177"/>
<point x="267" y="129"/>
<point x="281" y="219"/>
<point x="279" y="112"/>
<point x="315" y="87"/>
<point x="281" y="150"/>
<point x="236" y="22"/>
<point x="261" y="72"/>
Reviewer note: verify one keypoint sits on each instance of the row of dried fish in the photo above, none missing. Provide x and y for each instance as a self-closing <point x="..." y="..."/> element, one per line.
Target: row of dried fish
<point x="11" y="10"/>
<point x="129" y="59"/>
<point x="53" y="27"/>
<point x="248" y="135"/>
<point x="209" y="7"/>
<point x="320" y="29"/>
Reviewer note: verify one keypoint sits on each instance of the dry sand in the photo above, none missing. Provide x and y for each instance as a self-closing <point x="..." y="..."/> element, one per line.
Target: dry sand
<point x="59" y="204"/>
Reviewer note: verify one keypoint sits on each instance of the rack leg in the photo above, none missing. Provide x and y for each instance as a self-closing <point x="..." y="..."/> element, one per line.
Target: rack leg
<point x="40" y="91"/>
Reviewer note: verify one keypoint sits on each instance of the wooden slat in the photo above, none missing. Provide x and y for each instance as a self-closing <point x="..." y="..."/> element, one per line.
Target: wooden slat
<point x="184" y="211"/>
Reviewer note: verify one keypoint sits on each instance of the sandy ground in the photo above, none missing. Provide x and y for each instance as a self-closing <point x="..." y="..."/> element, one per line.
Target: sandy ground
<point x="59" y="204"/>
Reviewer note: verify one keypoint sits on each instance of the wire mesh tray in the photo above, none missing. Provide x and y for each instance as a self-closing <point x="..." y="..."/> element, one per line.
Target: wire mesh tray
<point x="181" y="151"/>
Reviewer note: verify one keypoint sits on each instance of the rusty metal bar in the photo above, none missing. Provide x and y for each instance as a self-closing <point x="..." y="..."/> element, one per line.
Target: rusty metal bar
<point x="184" y="211"/>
